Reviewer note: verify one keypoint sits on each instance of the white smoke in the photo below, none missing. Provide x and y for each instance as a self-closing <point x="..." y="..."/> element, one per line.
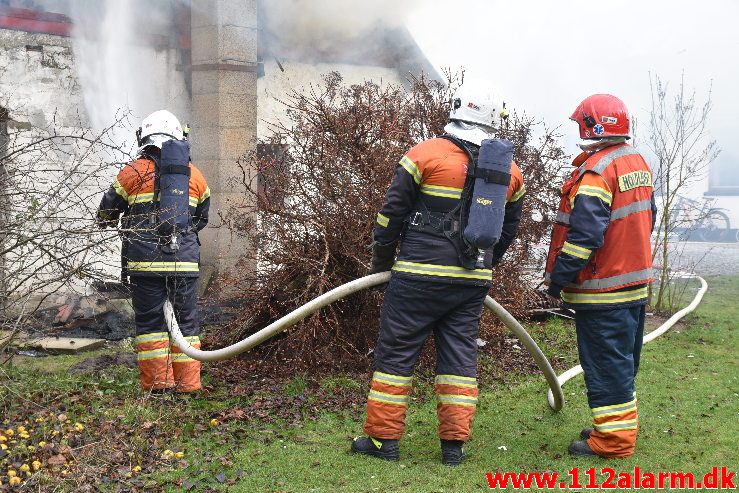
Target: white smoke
<point x="126" y="61"/>
<point x="305" y="27"/>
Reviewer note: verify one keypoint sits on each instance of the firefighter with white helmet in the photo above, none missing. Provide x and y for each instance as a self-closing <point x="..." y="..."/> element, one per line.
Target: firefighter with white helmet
<point x="438" y="282"/>
<point x="162" y="200"/>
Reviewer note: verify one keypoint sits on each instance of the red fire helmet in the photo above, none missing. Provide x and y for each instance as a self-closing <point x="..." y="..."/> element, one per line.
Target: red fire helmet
<point x="602" y="115"/>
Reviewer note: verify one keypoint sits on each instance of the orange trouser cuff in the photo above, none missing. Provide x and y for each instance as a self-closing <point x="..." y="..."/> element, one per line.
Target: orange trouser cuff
<point x="457" y="403"/>
<point x="186" y="370"/>
<point x="154" y="361"/>
<point x="614" y="430"/>
<point x="387" y="404"/>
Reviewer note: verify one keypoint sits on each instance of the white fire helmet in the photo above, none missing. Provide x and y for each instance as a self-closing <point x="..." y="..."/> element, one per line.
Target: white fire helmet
<point x="475" y="112"/>
<point x="158" y="128"/>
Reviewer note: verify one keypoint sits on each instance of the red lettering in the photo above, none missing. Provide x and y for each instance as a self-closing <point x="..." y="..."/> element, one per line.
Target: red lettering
<point x="610" y="474"/>
<point x="727" y="479"/>
<point x="684" y="479"/>
<point x="624" y="481"/>
<point x="590" y="473"/>
<point x="710" y="480"/>
<point x="575" y="475"/>
<point x="662" y="481"/>
<point x="648" y="482"/>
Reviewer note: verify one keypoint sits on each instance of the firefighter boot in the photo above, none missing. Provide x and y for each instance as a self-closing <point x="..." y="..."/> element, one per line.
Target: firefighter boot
<point x="452" y="452"/>
<point x="581" y="448"/>
<point x="585" y="433"/>
<point x="384" y="449"/>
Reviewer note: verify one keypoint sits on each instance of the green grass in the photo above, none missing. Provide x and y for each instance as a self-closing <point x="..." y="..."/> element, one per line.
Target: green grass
<point x="688" y="403"/>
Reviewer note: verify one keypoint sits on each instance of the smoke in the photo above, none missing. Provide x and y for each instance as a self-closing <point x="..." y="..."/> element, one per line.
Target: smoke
<point x="311" y="29"/>
<point x="126" y="59"/>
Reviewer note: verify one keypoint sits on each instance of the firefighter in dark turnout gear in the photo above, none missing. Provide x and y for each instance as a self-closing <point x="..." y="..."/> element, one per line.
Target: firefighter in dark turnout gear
<point x="600" y="262"/>
<point x="430" y="291"/>
<point x="157" y="268"/>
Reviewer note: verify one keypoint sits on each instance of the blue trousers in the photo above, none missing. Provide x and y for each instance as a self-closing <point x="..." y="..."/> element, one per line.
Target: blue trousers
<point x="609" y="343"/>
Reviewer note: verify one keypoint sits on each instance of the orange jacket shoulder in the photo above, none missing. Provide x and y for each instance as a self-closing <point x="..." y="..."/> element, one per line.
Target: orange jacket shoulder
<point x="137" y="177"/>
<point x="198" y="185"/>
<point x="431" y="152"/>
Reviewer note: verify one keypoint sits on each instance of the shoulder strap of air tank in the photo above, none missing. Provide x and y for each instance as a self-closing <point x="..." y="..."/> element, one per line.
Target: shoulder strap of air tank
<point x="465" y="251"/>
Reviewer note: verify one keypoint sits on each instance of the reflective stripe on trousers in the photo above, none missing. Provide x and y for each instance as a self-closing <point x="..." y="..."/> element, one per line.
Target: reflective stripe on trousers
<point x="456" y="406"/>
<point x="387" y="404"/>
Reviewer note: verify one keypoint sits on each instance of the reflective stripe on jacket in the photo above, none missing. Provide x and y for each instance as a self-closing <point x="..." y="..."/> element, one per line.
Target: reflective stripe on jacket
<point x="600" y="251"/>
<point x="132" y="196"/>
<point x="435" y="170"/>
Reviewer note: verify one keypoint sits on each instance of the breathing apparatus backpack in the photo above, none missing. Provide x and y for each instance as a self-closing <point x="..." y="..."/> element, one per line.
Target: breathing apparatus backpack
<point x="476" y="222"/>
<point x="174" y="193"/>
<point x="487" y="207"/>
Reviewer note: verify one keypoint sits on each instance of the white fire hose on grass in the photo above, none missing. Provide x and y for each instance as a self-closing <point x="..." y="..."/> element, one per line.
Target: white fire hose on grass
<point x="555" y="401"/>
<point x="556" y="398"/>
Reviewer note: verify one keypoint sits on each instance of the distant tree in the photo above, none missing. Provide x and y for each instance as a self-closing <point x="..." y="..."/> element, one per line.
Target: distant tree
<point x="678" y="137"/>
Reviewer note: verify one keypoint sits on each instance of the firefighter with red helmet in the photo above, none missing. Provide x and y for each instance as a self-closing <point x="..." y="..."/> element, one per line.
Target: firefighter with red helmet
<point x="163" y="201"/>
<point x="600" y="263"/>
<point x="431" y="290"/>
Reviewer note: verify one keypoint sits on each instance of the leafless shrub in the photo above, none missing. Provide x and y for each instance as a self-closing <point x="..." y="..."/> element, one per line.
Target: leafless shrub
<point x="50" y="183"/>
<point x="678" y="138"/>
<point x="322" y="177"/>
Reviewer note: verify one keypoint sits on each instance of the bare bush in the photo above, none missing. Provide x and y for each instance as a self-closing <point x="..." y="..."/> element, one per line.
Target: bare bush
<point x="310" y="209"/>
<point x="50" y="183"/>
<point x="678" y="138"/>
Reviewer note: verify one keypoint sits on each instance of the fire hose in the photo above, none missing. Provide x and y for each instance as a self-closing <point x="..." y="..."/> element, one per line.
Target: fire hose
<point x="555" y="401"/>
<point x="556" y="398"/>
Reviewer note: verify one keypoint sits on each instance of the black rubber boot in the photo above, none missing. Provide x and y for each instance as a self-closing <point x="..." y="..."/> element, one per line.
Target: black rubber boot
<point x="581" y="448"/>
<point x="376" y="447"/>
<point x="585" y="433"/>
<point x="452" y="452"/>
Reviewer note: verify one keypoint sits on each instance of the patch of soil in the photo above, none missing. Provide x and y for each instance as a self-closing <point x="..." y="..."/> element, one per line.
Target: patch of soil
<point x="99" y="363"/>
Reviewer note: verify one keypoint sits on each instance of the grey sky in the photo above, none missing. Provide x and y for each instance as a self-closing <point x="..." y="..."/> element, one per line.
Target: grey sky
<point x="545" y="56"/>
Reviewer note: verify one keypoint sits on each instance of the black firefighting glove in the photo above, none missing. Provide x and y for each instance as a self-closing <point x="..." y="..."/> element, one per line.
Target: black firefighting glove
<point x="490" y="260"/>
<point x="555" y="291"/>
<point x="383" y="257"/>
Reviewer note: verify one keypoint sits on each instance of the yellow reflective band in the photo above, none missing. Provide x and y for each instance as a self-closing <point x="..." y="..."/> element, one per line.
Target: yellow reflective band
<point x="181" y="358"/>
<point x="141" y="198"/>
<point x="439" y="191"/>
<point x="442" y="270"/>
<point x="576" y="251"/>
<point x="206" y="195"/>
<point x="411" y="168"/>
<point x="397" y="400"/>
<point x="395" y="380"/>
<point x="610" y="427"/>
<point x="153" y="354"/>
<point x="600" y="412"/>
<point x="456" y="380"/>
<point x="153" y="337"/>
<point x="458" y="400"/>
<point x="516" y="196"/>
<point x="382" y="220"/>
<point x="194" y="202"/>
<point x="163" y="266"/>
<point x="598" y="192"/>
<point x="605" y="298"/>
<point x="120" y="190"/>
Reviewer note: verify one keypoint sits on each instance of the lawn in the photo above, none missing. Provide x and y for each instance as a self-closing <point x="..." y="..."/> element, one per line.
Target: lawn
<point x="294" y="434"/>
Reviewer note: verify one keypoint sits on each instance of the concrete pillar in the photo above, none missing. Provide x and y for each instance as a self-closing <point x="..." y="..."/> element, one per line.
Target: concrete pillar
<point x="224" y="113"/>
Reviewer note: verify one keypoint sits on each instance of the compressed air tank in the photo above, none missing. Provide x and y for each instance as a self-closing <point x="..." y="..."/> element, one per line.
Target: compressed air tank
<point x="174" y="188"/>
<point x="487" y="205"/>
